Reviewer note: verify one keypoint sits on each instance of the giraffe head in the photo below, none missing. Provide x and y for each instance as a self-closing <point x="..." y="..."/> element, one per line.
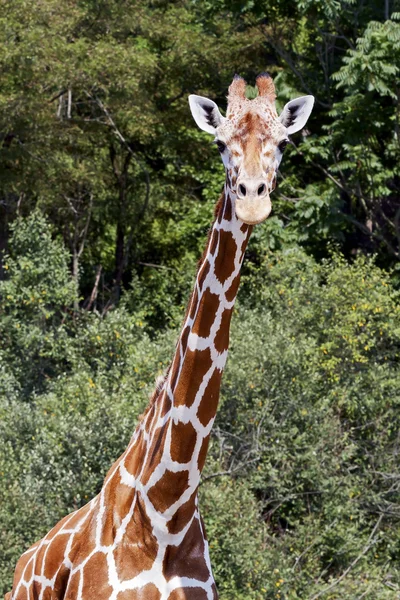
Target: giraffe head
<point x="251" y="139"/>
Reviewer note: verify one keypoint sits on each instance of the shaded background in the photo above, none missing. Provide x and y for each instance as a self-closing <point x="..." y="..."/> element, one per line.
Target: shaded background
<point x="106" y="196"/>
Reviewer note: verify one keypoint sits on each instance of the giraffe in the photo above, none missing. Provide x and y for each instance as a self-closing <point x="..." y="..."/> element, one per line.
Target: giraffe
<point x="142" y="537"/>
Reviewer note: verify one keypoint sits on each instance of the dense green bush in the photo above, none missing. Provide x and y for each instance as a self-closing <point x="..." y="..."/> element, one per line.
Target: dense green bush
<point x="309" y="420"/>
<point x="35" y="297"/>
<point x="300" y="490"/>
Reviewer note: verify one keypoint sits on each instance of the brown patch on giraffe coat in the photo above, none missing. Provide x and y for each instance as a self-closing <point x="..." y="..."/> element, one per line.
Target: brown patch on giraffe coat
<point x="39" y="559"/>
<point x="57" y="542"/>
<point x="28" y="570"/>
<point x="148" y="592"/>
<point x="166" y="405"/>
<point x="134" y="459"/>
<point x="61" y="582"/>
<point x="138" y="548"/>
<point x="183" y="515"/>
<point x="84" y="541"/>
<point x="231" y="292"/>
<point x="214" y="242"/>
<point x="55" y="555"/>
<point x="184" y="338"/>
<point x="183" y="441"/>
<point x="203" y="272"/>
<point x="95" y="578"/>
<point x="219" y="208"/>
<point x="109" y="528"/>
<point x="175" y="368"/>
<point x="193" y="305"/>
<point x="225" y="260"/>
<point x="155" y="452"/>
<point x="71" y="593"/>
<point x="244" y="246"/>
<point x="23" y="594"/>
<point x="208" y="405"/>
<point x="188" y="593"/>
<point x="47" y="593"/>
<point x="195" y="365"/>
<point x="168" y="489"/>
<point x="150" y="418"/>
<point x="187" y="559"/>
<point x="209" y="304"/>
<point x="221" y="341"/>
<point x="140" y="524"/>
<point x="203" y="453"/>
<point x="123" y="500"/>
<point x="228" y="207"/>
<point x="157" y="445"/>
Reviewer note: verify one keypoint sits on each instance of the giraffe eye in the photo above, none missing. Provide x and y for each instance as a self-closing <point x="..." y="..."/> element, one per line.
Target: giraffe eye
<point x="282" y="145"/>
<point x="221" y="146"/>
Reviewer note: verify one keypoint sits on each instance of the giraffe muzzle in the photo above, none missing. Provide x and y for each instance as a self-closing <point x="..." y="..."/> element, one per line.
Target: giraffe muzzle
<point x="253" y="204"/>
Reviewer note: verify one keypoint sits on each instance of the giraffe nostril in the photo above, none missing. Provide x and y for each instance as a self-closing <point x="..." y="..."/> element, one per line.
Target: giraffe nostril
<point x="242" y="189"/>
<point x="261" y="189"/>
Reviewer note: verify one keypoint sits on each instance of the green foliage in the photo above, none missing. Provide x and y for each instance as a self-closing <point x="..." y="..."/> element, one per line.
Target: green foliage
<point x="35" y="297"/>
<point x="309" y="421"/>
<point x="107" y="192"/>
<point x="300" y="491"/>
<point x="237" y="552"/>
<point x="96" y="128"/>
<point x="95" y="119"/>
<point x="340" y="181"/>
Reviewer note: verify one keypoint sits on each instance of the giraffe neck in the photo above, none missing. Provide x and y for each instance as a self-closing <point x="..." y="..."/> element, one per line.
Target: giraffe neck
<point x="174" y="434"/>
<point x="194" y="380"/>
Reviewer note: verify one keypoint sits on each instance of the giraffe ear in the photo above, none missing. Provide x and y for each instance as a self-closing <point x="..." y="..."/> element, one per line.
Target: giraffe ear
<point x="296" y="112"/>
<point x="206" y="113"/>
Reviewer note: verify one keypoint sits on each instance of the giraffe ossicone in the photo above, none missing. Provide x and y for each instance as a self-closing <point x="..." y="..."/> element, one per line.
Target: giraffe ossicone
<point x="142" y="537"/>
